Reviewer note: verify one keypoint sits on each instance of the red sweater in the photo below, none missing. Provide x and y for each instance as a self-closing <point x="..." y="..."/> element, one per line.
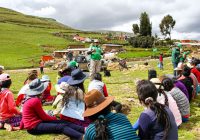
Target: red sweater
<point x="196" y="73"/>
<point x="33" y="114"/>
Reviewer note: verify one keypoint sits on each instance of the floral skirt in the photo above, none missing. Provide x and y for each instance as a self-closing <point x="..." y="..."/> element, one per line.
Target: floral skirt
<point x="14" y="121"/>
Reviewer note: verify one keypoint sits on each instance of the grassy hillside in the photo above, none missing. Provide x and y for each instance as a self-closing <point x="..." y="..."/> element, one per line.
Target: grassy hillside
<point x="21" y="37"/>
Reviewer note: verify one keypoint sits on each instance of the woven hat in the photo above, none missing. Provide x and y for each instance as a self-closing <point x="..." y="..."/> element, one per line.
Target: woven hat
<point x="36" y="87"/>
<point x="96" y="102"/>
<point x="157" y="83"/>
<point x="62" y="87"/>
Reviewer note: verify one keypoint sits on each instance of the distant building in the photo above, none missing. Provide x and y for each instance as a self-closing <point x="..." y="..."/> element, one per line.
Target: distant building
<point x="110" y="47"/>
<point x="75" y="46"/>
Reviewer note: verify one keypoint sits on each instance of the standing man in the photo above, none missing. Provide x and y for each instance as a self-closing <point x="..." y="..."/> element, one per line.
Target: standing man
<point x="95" y="52"/>
<point x="175" y="57"/>
<point x="41" y="63"/>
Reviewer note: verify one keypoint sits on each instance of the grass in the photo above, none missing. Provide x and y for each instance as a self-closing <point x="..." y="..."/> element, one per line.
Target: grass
<point x="122" y="86"/>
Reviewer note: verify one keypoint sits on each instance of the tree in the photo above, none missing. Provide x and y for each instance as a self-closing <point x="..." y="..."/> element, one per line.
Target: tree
<point x="136" y="29"/>
<point x="145" y="25"/>
<point x="166" y="26"/>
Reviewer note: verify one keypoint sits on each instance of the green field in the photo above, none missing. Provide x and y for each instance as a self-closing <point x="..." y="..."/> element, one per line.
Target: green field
<point x="122" y="86"/>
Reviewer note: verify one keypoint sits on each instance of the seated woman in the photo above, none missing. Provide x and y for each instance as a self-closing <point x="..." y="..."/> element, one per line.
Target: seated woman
<point x="10" y="117"/>
<point x="36" y="121"/>
<point x="168" y="100"/>
<point x="188" y="82"/>
<point x="46" y="95"/>
<point x="21" y="94"/>
<point x="179" y="97"/>
<point x="73" y="100"/>
<point x="157" y="121"/>
<point x="97" y="84"/>
<point x="106" y="125"/>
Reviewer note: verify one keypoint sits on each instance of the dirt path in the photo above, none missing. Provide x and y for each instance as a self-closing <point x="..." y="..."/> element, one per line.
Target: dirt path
<point x="27" y="70"/>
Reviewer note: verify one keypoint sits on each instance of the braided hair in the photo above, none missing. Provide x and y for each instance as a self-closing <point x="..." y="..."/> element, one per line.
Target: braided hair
<point x="101" y="123"/>
<point x="147" y="94"/>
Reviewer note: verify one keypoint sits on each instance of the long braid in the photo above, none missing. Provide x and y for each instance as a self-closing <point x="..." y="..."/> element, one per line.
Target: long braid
<point x="147" y="94"/>
<point x="162" y="116"/>
<point x="101" y="128"/>
<point x="166" y="98"/>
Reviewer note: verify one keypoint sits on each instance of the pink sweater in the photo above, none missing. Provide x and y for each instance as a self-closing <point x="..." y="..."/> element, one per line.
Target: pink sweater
<point x="7" y="105"/>
<point x="33" y="114"/>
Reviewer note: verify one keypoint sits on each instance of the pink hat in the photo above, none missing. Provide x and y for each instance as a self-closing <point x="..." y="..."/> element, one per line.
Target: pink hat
<point x="4" y="77"/>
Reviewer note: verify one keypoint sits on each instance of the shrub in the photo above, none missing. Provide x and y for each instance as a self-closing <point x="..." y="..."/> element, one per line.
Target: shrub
<point x="142" y="41"/>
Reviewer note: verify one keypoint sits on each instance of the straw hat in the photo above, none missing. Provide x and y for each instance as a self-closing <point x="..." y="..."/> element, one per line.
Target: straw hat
<point x="36" y="87"/>
<point x="157" y="83"/>
<point x="96" y="102"/>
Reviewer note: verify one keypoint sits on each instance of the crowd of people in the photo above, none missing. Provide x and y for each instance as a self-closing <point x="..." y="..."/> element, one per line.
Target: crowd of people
<point x="92" y="114"/>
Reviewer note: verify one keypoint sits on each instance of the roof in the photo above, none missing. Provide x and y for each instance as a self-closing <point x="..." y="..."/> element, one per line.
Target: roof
<point x="113" y="45"/>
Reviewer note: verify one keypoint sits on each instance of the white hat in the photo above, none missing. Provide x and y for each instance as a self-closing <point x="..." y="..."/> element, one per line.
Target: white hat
<point x="45" y="78"/>
<point x="62" y="88"/>
<point x="1" y="67"/>
<point x="157" y="83"/>
<point x="36" y="87"/>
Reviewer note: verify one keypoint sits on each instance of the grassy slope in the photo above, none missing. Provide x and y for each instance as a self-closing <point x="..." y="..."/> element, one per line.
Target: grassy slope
<point x="21" y="36"/>
<point x="122" y="86"/>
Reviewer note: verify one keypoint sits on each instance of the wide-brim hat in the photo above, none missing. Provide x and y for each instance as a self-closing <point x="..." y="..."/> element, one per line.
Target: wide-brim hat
<point x="96" y="102"/>
<point x="62" y="88"/>
<point x="157" y="83"/>
<point x="45" y="78"/>
<point x="4" y="77"/>
<point x="1" y="67"/>
<point x="77" y="77"/>
<point x="36" y="87"/>
<point x="178" y="69"/>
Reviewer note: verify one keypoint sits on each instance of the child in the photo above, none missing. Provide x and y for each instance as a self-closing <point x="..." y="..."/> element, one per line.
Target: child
<point x="157" y="121"/>
<point x="36" y="121"/>
<point x="22" y="93"/>
<point x="10" y="117"/>
<point x="161" y="61"/>
<point x="61" y="89"/>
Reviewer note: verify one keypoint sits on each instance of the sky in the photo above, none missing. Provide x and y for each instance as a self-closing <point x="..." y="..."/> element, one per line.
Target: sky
<point x="116" y="15"/>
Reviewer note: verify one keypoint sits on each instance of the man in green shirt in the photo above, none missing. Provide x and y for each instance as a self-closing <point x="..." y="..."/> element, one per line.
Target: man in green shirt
<point x="95" y="52"/>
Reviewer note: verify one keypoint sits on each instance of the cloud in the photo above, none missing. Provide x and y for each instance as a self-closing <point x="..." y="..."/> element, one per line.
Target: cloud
<point x="114" y="14"/>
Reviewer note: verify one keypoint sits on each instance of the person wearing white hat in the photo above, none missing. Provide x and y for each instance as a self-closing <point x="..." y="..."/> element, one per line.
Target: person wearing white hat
<point x="36" y="121"/>
<point x="10" y="117"/>
<point x="57" y="104"/>
<point x="1" y="69"/>
<point x="46" y="95"/>
<point x="167" y="99"/>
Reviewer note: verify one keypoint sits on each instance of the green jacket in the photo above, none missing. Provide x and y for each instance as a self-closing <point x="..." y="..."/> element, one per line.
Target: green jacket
<point x="175" y="55"/>
<point x="96" y="55"/>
